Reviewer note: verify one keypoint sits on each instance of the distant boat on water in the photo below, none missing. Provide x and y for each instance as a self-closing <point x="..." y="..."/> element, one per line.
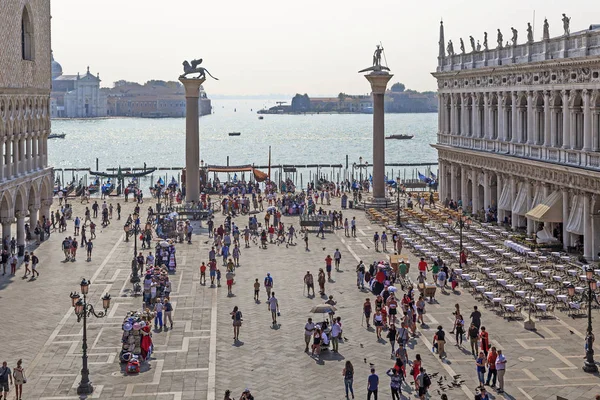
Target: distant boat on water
<point x="261" y="117"/>
<point x="235" y="133"/>
<point x="400" y="137"/>
<point x="57" y="135"/>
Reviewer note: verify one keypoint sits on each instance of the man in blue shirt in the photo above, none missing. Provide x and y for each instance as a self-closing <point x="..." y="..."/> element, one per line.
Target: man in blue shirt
<point x="372" y="384"/>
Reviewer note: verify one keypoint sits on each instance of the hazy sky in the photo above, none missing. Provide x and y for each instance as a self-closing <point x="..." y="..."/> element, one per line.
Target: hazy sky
<point x="284" y="47"/>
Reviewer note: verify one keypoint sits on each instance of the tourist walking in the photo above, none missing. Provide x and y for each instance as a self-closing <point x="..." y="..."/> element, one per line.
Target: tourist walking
<point x="337" y="256"/>
<point x="473" y="337"/>
<point x="158" y="314"/>
<point x="384" y="240"/>
<point x="19" y="379"/>
<point x="34" y="262"/>
<point x="395" y="383"/>
<point x="372" y="384"/>
<point x="336" y="332"/>
<point x="501" y="370"/>
<point x="492" y="372"/>
<point x="353" y="226"/>
<point x="316" y="341"/>
<point x="309" y="329"/>
<point x="376" y="241"/>
<point x="424" y="383"/>
<point x="168" y="307"/>
<point x="321" y="280"/>
<point x="485" y="340"/>
<point x="360" y="275"/>
<point x="459" y="329"/>
<point x="236" y="316"/>
<point x="441" y="341"/>
<point x="229" y="279"/>
<point x="273" y="305"/>
<point x="476" y="317"/>
<point x="5" y="378"/>
<point x="481" y="362"/>
<point x="348" y="373"/>
<point x="26" y="260"/>
<point x="367" y="309"/>
<point x="268" y="282"/>
<point x="89" y="247"/>
<point x="309" y="283"/>
<point x="392" y="336"/>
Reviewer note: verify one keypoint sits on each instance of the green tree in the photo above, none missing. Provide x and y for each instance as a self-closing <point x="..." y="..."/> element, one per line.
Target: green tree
<point x="398" y="87"/>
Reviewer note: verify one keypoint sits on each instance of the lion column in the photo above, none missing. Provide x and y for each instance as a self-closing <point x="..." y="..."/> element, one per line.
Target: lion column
<point x="192" y="138"/>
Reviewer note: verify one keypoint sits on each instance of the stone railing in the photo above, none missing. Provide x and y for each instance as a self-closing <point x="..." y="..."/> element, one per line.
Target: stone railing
<point x="578" y="44"/>
<point x="578" y="158"/>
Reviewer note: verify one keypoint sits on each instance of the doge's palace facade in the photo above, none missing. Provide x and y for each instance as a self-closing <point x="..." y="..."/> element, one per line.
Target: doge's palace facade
<point x="25" y="78"/>
<point x="519" y="130"/>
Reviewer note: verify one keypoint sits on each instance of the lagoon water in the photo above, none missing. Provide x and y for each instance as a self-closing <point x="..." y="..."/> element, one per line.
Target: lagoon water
<point x="294" y="139"/>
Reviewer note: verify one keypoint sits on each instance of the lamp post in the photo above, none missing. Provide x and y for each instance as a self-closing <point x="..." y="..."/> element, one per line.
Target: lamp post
<point x="589" y="365"/>
<point x="360" y="165"/>
<point x="462" y="221"/>
<point x="83" y="310"/>
<point x="135" y="278"/>
<point x="398" y="223"/>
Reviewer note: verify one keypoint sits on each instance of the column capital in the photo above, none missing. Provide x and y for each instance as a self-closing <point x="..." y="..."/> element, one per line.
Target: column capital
<point x="378" y="81"/>
<point x="7" y="220"/>
<point x="46" y="203"/>
<point x="192" y="86"/>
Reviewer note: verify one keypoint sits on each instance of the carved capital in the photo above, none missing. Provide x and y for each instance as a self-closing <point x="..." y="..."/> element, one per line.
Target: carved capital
<point x="47" y="203"/>
<point x="7" y="220"/>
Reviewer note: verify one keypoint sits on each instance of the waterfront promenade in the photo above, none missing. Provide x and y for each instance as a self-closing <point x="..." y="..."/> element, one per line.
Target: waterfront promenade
<point x="198" y="359"/>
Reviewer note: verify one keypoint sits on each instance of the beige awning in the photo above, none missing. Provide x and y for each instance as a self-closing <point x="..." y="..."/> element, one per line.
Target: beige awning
<point x="549" y="210"/>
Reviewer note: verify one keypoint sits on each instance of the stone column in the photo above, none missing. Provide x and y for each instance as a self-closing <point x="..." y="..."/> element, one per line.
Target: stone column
<point x="530" y="195"/>
<point x="547" y="119"/>
<point x="45" y="209"/>
<point x="33" y="215"/>
<point x="530" y="112"/>
<point x="566" y="120"/>
<point x="473" y="115"/>
<point x="553" y="133"/>
<point x="378" y="81"/>
<point x="464" y="179"/>
<point x="514" y="116"/>
<point x="192" y="139"/>
<point x="8" y="158"/>
<point x="487" y="190"/>
<point x="22" y="160"/>
<point x="6" y="225"/>
<point x="452" y="114"/>
<point x="440" y="114"/>
<point x="501" y="133"/>
<point x="453" y="182"/>
<point x="475" y="191"/>
<point x="21" y="228"/>
<point x="587" y="121"/>
<point x="565" y="233"/>
<point x="588" y="250"/>
<point x="486" y="117"/>
<point x="513" y="196"/>
<point x="500" y="182"/>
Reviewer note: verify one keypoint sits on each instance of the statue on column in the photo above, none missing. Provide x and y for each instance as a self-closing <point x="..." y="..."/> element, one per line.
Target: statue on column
<point x="462" y="46"/>
<point x="515" y="34"/>
<point x="566" y="22"/>
<point x="194" y="68"/>
<point x="450" y="48"/>
<point x="472" y="43"/>
<point x="529" y="33"/>
<point x="485" y="42"/>
<point x="478" y="46"/>
<point x="500" y="39"/>
<point x="546" y="29"/>
<point x="376" y="61"/>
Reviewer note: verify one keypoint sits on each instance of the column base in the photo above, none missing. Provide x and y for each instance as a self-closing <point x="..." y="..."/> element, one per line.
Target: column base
<point x="85" y="388"/>
<point x="529" y="325"/>
<point x="590" y="368"/>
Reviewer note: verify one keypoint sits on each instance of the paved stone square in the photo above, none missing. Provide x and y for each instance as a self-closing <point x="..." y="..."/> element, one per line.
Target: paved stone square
<point x="198" y="358"/>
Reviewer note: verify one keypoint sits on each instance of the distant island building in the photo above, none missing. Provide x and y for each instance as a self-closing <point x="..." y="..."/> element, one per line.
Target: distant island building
<point x="397" y="100"/>
<point x="76" y="96"/>
<point x="154" y="99"/>
<point x="519" y="132"/>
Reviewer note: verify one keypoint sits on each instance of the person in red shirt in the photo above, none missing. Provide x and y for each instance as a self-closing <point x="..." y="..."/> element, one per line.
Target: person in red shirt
<point x="203" y="274"/>
<point x="328" y="261"/>
<point x="271" y="233"/>
<point x="380" y="276"/>
<point x="492" y="367"/>
<point x="423" y="267"/>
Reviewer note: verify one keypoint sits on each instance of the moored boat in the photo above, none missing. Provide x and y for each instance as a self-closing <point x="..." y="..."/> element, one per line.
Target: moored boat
<point x="400" y="137"/>
<point x="235" y="133"/>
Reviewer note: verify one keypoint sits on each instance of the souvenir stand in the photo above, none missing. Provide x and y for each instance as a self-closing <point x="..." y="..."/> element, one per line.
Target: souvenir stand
<point x="136" y="340"/>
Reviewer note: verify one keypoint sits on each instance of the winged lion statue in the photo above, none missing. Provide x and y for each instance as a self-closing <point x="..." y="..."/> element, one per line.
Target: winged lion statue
<point x="193" y="68"/>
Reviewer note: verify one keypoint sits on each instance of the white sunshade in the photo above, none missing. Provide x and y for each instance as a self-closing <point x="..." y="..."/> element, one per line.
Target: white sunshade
<point x="504" y="202"/>
<point x="520" y="204"/>
<point x="576" y="217"/>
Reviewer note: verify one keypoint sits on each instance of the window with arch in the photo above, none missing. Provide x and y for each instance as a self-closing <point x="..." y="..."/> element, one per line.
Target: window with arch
<point x="26" y="35"/>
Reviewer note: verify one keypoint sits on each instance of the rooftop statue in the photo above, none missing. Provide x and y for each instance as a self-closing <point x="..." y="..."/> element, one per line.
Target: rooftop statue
<point x="376" y="67"/>
<point x="500" y="38"/>
<point x="485" y="43"/>
<point x="195" y="69"/>
<point x="529" y="33"/>
<point x="478" y="46"/>
<point x="450" y="48"/>
<point x="462" y="46"/>
<point x="546" y="29"/>
<point x="514" y="36"/>
<point x="472" y="43"/>
<point x="566" y="22"/>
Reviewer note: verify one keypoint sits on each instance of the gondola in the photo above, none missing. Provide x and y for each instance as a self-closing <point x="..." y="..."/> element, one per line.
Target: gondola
<point x="124" y="174"/>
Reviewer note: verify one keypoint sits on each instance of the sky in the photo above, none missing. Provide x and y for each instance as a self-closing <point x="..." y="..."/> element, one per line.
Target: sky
<point x="264" y="47"/>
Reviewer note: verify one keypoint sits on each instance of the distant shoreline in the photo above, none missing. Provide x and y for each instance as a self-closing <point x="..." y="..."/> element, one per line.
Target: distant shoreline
<point x="340" y="112"/>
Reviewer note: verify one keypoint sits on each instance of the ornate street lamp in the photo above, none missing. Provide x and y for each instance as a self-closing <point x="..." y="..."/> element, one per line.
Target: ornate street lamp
<point x="398" y="201"/>
<point x="83" y="310"/>
<point x="589" y="365"/>
<point x="135" y="278"/>
<point x="360" y="165"/>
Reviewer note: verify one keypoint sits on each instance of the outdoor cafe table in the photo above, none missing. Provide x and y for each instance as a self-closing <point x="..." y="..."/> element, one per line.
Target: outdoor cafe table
<point x="509" y="307"/>
<point x="486" y="270"/>
<point x="516" y="259"/>
<point x="555" y="254"/>
<point x="501" y="281"/>
<point x="551" y="291"/>
<point x="520" y="293"/>
<point x="493" y="275"/>
<point x="489" y="295"/>
<point x="562" y="297"/>
<point x="557" y="278"/>
<point x="508" y="269"/>
<point x="511" y="287"/>
<point x="545" y="273"/>
<point x="480" y="288"/>
<point x="543" y="258"/>
<point x="572" y="272"/>
<point x="534" y="268"/>
<point x="541" y="306"/>
<point x="539" y="285"/>
<point x="466" y="277"/>
<point x="560" y="267"/>
<point x="529" y="279"/>
<point x="473" y="282"/>
<point x="519" y="274"/>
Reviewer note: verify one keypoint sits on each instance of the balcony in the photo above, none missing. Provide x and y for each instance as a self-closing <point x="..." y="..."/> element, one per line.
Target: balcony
<point x="569" y="157"/>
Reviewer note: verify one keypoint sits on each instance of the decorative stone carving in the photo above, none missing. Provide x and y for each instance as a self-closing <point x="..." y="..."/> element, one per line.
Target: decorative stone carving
<point x="462" y="46"/>
<point x="546" y="34"/>
<point x="566" y="22"/>
<point x="515" y="35"/>
<point x="500" y="39"/>
<point x="529" y="33"/>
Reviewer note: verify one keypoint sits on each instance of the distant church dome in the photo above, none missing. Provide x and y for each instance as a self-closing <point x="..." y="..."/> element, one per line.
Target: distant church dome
<point x="56" y="68"/>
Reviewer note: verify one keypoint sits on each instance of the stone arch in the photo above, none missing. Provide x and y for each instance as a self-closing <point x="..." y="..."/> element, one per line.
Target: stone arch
<point x="46" y="188"/>
<point x="21" y="196"/>
<point x="576" y="110"/>
<point x="458" y="105"/>
<point x="6" y="205"/>
<point x="33" y="195"/>
<point x="539" y="118"/>
<point x="27" y="34"/>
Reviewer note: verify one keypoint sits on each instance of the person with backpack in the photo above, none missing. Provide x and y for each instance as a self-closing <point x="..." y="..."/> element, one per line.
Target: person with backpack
<point x="236" y="316"/>
<point x="34" y="262"/>
<point x="268" y="284"/>
<point x="168" y="309"/>
<point x="395" y="383"/>
<point x="337" y="256"/>
<point x="424" y="383"/>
